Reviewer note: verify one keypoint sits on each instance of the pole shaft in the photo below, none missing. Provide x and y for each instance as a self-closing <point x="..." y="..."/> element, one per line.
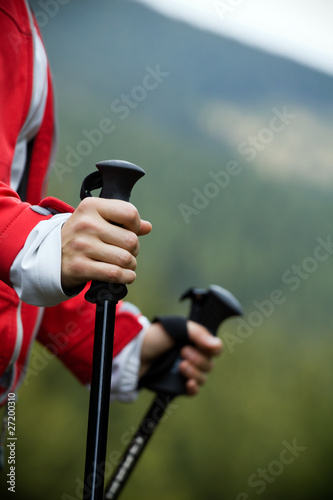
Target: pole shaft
<point x="137" y="445"/>
<point x="99" y="401"/>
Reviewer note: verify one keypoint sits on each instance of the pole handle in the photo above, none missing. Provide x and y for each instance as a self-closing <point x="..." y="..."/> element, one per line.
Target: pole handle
<point x="115" y="179"/>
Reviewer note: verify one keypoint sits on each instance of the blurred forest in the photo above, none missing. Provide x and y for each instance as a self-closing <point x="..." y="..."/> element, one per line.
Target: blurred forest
<point x="253" y="218"/>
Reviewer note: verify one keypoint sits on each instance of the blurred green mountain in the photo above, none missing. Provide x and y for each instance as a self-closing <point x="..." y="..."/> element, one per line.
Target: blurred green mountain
<point x="187" y="105"/>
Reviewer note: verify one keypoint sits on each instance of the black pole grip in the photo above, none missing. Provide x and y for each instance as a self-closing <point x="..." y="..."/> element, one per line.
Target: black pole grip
<point x="209" y="308"/>
<point x="115" y="179"/>
<point x="212" y="306"/>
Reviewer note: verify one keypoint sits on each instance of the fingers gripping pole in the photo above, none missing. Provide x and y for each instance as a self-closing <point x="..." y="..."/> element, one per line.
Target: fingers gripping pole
<point x="209" y="308"/>
<point x="116" y="179"/>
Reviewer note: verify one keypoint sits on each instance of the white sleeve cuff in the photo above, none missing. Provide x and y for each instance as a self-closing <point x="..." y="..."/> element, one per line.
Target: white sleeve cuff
<point x="36" y="271"/>
<point x="126" y="366"/>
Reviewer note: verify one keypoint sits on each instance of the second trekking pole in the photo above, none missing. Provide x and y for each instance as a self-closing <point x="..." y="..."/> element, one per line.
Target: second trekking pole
<point x="209" y="308"/>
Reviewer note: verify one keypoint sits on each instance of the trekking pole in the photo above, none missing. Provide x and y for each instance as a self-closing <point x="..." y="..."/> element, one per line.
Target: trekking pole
<point x="116" y="179"/>
<point x="209" y="308"/>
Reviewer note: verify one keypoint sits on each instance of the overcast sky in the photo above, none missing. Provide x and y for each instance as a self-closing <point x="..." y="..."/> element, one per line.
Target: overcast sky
<point x="300" y="29"/>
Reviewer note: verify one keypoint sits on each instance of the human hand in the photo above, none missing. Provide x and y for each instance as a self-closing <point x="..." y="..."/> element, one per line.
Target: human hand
<point x="94" y="249"/>
<point x="197" y="359"/>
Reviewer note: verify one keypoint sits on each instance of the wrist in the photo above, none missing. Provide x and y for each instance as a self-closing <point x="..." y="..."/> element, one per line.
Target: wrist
<point x="156" y="341"/>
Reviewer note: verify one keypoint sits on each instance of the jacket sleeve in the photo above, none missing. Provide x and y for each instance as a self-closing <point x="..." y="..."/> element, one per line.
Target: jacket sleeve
<point x="17" y="221"/>
<point x="67" y="330"/>
<point x="16" y="76"/>
<point x="30" y="239"/>
<point x="16" y="81"/>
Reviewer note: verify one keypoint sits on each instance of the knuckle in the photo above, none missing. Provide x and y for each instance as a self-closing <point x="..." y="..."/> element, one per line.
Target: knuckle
<point x="131" y="277"/>
<point x="126" y="260"/>
<point x="131" y="213"/>
<point x="82" y="224"/>
<point x="78" y="244"/>
<point x="132" y="242"/>
<point x="86" y="205"/>
<point x="114" y="274"/>
<point x="77" y="268"/>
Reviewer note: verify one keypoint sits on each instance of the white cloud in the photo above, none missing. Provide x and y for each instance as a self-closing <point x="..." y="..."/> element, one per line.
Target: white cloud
<point x="301" y="29"/>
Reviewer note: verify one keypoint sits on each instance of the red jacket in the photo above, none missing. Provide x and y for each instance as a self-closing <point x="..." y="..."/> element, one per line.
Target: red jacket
<point x="66" y="329"/>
